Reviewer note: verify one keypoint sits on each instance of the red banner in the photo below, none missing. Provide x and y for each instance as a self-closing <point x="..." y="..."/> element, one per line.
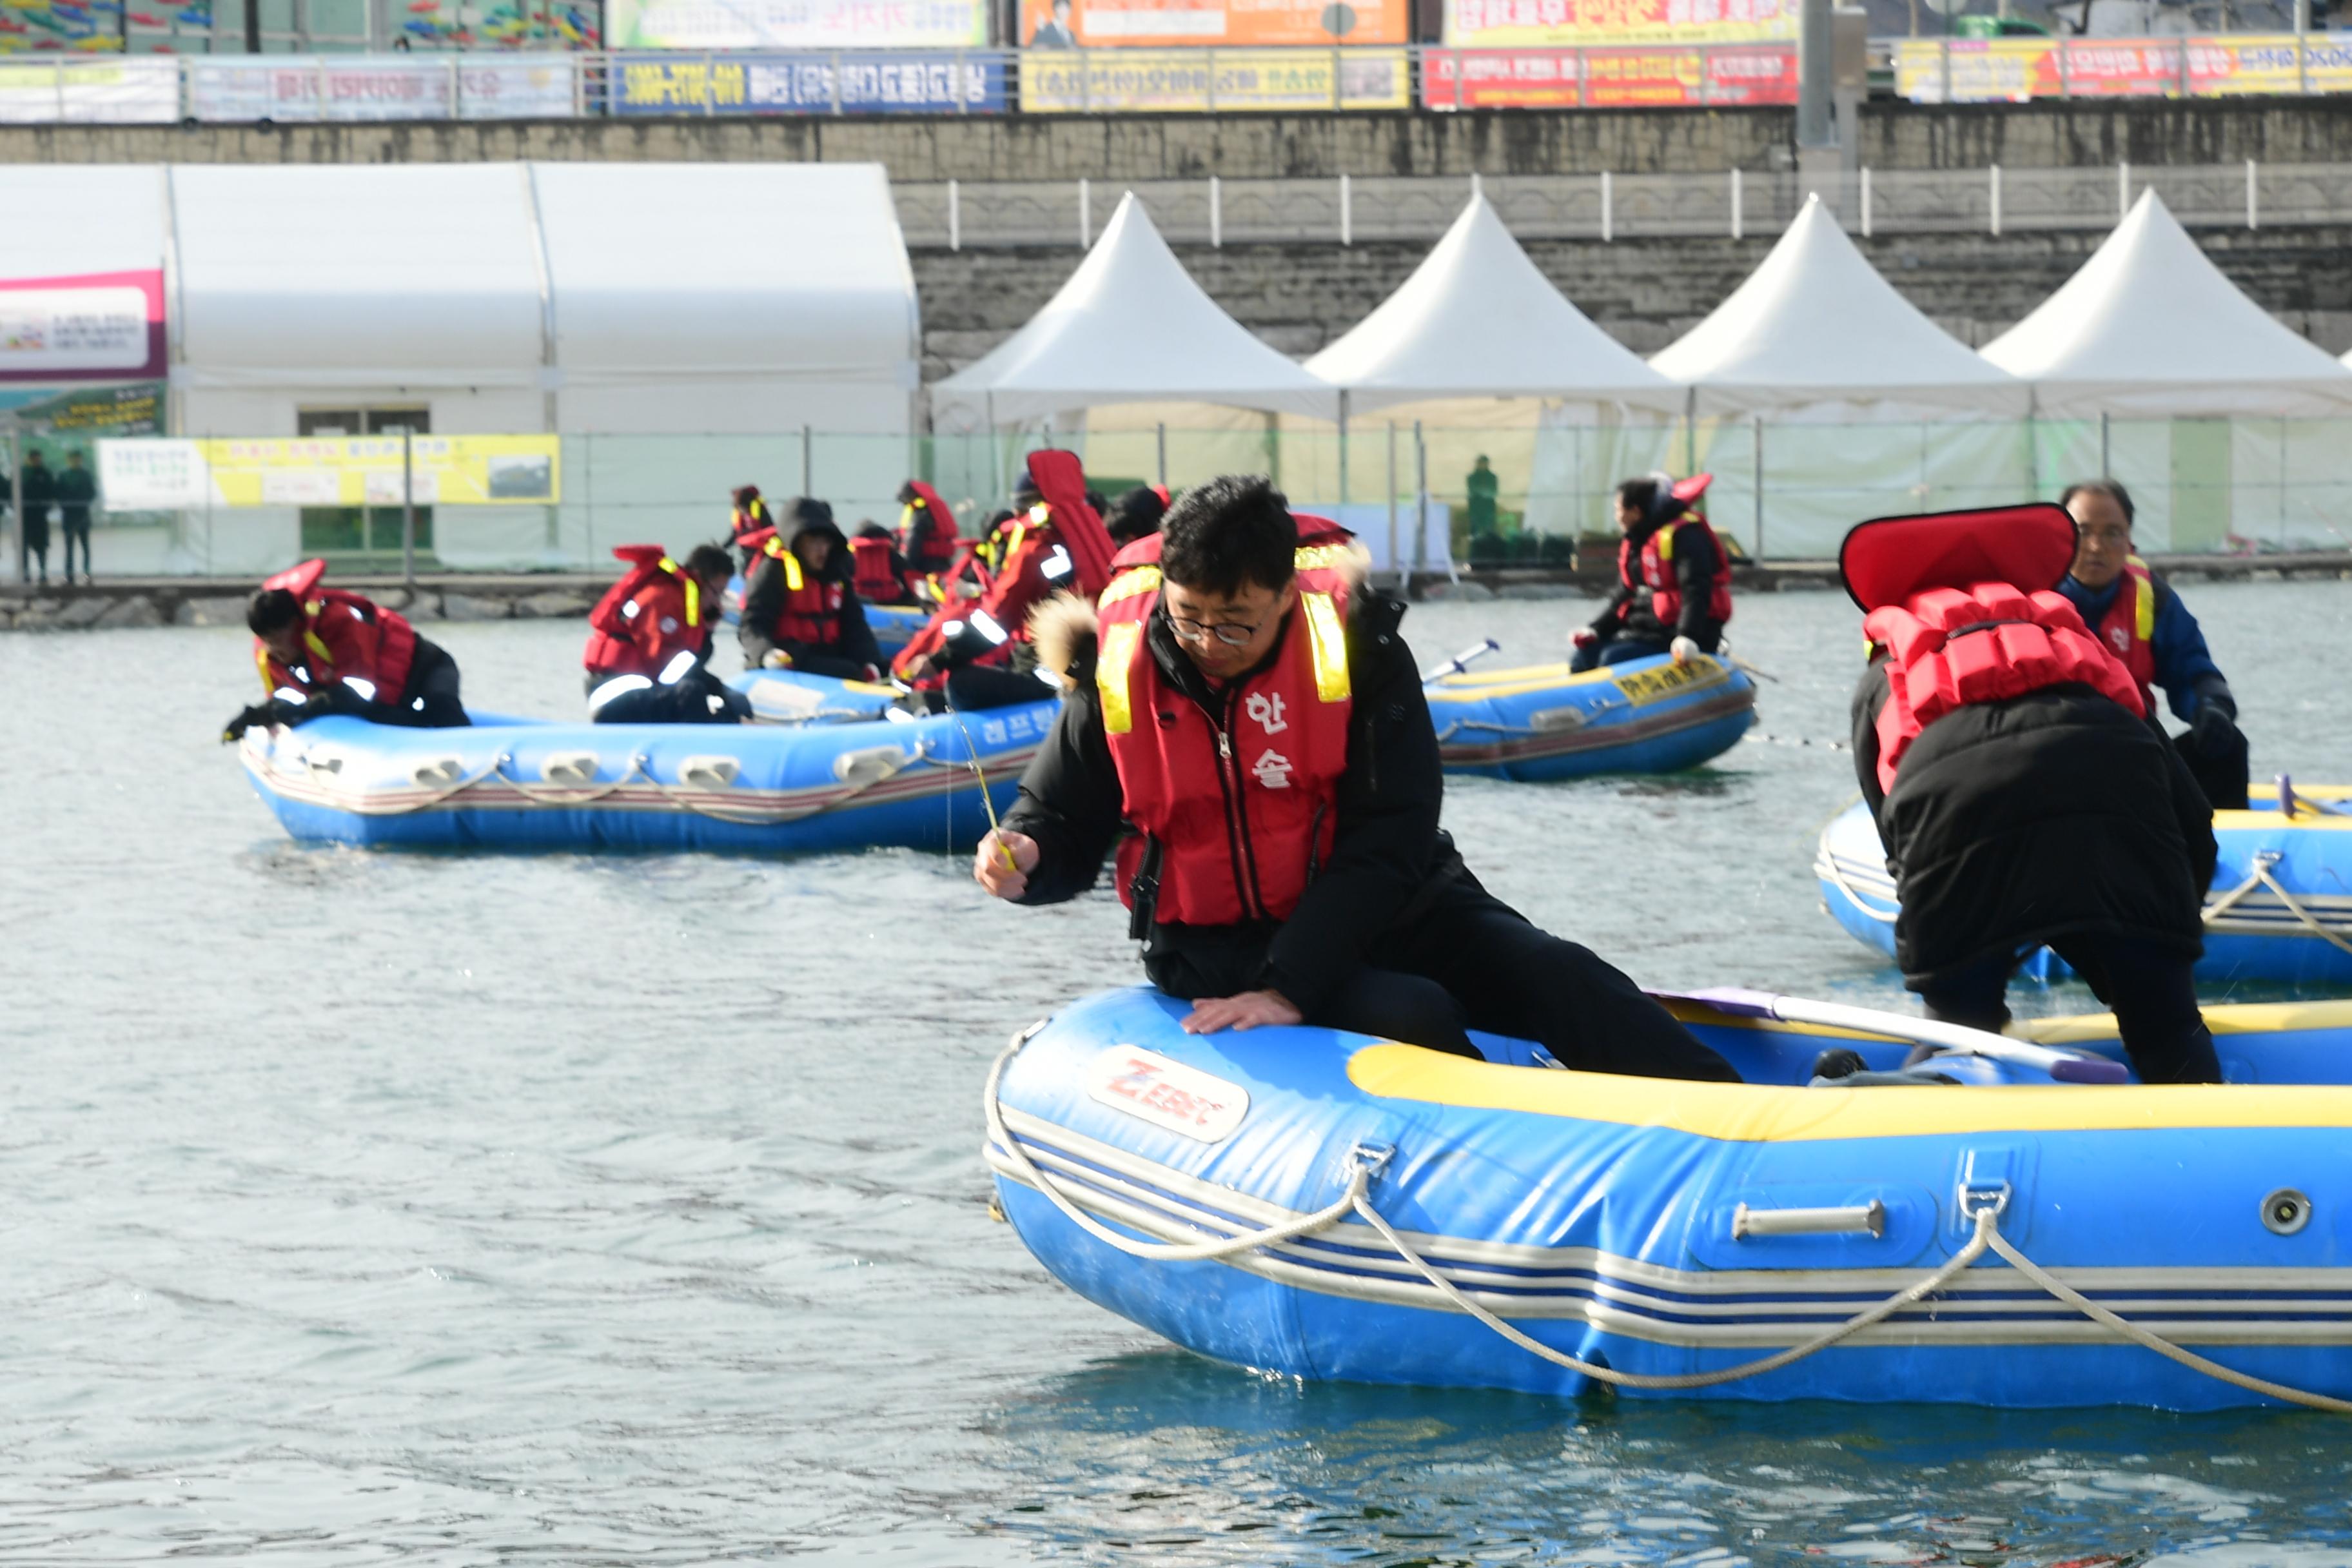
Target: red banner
<point x="1609" y="78"/>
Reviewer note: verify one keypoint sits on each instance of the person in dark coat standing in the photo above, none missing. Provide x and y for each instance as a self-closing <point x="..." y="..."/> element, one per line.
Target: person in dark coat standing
<point x="1254" y="715"/>
<point x="76" y="490"/>
<point x="2022" y="797"/>
<point x="39" y="488"/>
<point x="2139" y="616"/>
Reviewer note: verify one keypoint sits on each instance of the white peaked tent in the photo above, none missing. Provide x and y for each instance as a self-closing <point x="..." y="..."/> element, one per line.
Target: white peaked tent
<point x="1477" y="320"/>
<point x="2148" y="327"/>
<point x="1131" y="326"/>
<point x="1815" y="327"/>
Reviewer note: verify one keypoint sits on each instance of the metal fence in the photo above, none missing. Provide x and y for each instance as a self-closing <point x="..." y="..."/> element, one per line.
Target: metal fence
<point x="435" y="84"/>
<point x="1350" y="210"/>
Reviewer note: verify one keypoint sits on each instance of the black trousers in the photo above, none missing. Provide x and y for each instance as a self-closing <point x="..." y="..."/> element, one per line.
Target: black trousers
<point x="974" y="687"/>
<point x="429" y="701"/>
<point x="1616" y="650"/>
<point x="2148" y="984"/>
<point x="2220" y="772"/>
<point x="1469" y="960"/>
<point x="75" y="521"/>
<point x="686" y="701"/>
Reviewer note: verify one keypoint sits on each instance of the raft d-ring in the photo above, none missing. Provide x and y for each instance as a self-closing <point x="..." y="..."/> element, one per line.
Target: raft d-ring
<point x="1371" y="1158"/>
<point x="2285" y="1212"/>
<point x="1975" y="1197"/>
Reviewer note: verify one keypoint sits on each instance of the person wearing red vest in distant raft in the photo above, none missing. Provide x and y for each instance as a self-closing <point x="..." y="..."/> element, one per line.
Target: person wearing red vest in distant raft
<point x="749" y="522"/>
<point x="323" y="650"/>
<point x="2021" y="795"/>
<point x="649" y="641"/>
<point x="1674" y="579"/>
<point x="877" y="572"/>
<point x="799" y="609"/>
<point x="1245" y="705"/>
<point x="2145" y="623"/>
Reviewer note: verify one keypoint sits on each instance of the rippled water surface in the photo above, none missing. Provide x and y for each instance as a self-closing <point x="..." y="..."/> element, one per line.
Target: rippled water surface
<point x="370" y="1207"/>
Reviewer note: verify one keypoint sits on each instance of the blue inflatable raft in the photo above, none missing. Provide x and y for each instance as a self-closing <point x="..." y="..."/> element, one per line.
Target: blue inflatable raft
<point x="803" y="784"/>
<point x="2280" y="910"/>
<point x="1328" y="1206"/>
<point x="1538" y="722"/>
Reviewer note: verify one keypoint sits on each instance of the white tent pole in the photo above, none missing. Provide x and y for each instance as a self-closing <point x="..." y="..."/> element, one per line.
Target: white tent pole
<point x="1343" y="448"/>
<point x="2106" y="467"/>
<point x="1759" y="485"/>
<point x="1163" y="454"/>
<point x="1690" y="430"/>
<point x="1420" y="500"/>
<point x="808" y="461"/>
<point x="1394" y="564"/>
<point x="408" y="509"/>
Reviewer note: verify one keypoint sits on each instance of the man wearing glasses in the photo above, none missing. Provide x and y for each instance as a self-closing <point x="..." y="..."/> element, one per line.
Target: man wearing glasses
<point x="1250" y="714"/>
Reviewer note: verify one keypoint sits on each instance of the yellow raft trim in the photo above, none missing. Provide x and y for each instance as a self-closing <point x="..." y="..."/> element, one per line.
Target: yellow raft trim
<point x="2233" y="1018"/>
<point x="1751" y="1113"/>
<point x="1477" y="685"/>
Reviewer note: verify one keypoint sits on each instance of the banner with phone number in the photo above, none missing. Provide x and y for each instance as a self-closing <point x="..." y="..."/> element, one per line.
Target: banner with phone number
<point x="331" y="471"/>
<point x="1993" y="71"/>
<point x="1608" y="78"/>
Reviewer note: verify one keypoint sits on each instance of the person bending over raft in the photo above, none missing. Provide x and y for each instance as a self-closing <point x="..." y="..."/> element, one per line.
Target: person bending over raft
<point x="979" y="653"/>
<point x="799" y="609"/>
<point x="927" y="536"/>
<point x="2021" y="795"/>
<point x="649" y="641"/>
<point x="323" y="650"/>
<point x="2144" y="621"/>
<point x="1254" y="714"/>
<point x="1674" y="579"/>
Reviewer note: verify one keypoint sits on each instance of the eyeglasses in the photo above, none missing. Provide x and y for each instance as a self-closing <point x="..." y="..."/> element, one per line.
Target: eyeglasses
<point x="1225" y="631"/>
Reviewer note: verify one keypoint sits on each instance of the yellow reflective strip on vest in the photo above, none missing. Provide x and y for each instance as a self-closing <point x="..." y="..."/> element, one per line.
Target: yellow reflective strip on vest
<point x="792" y="578"/>
<point x="693" y="602"/>
<point x="318" y="648"/>
<point x="261" y="662"/>
<point x="1111" y="668"/>
<point x="1128" y="583"/>
<point x="2144" y="613"/>
<point x="1666" y="537"/>
<point x="1320" y="557"/>
<point x="1331" y="646"/>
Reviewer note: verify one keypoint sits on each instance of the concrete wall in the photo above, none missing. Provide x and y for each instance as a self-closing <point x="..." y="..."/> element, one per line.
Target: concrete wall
<point x="1646" y="293"/>
<point x="1170" y="147"/>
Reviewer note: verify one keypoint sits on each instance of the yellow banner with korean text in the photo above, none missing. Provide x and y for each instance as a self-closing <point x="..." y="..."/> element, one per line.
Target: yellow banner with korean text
<point x="1195" y="81"/>
<point x="331" y="471"/>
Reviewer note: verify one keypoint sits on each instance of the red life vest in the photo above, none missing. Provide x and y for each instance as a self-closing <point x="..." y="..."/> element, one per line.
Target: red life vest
<point x="649" y="618"/>
<point x="2128" y="629"/>
<point x="1033" y="566"/>
<point x="812" y="608"/>
<point x="1657" y="573"/>
<point x="1948" y="648"/>
<point x="1243" y="807"/>
<point x="346" y="635"/>
<point x="927" y="530"/>
<point x="746" y="522"/>
<point x="871" y="573"/>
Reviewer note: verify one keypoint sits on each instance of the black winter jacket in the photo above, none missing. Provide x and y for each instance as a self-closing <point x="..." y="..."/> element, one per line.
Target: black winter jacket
<point x="2014" y="822"/>
<point x="763" y="600"/>
<point x="1387" y="847"/>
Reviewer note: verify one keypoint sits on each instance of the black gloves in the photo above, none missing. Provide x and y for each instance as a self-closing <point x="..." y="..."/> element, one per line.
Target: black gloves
<point x="2215" y="722"/>
<point x="277" y="710"/>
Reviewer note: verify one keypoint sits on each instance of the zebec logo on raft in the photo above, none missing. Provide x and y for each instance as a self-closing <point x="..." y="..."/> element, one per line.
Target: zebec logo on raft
<point x="1167" y="1093"/>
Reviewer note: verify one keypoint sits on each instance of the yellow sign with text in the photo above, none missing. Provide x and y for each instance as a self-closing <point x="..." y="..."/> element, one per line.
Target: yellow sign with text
<point x="1196" y="81"/>
<point x="332" y="472"/>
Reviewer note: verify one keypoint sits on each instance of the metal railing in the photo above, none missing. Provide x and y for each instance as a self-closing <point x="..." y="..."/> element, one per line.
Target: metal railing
<point x="505" y="84"/>
<point x="1739" y="203"/>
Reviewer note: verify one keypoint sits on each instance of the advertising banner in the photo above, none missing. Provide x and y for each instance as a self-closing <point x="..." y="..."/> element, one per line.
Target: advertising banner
<point x="116" y="91"/>
<point x="353" y="470"/>
<point x="1169" y="24"/>
<point x="1193" y="81"/>
<point x="1608" y="78"/>
<point x="300" y="89"/>
<point x="132" y="409"/>
<point x="94" y="326"/>
<point x="2015" y="69"/>
<point x="797" y="24"/>
<point x="1536" y="23"/>
<point x="870" y="83"/>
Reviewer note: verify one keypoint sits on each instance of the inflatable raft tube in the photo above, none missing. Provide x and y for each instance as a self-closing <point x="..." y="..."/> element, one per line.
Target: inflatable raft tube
<point x="2280" y="909"/>
<point x="1360" y="1198"/>
<point x="1538" y="722"/>
<point x="765" y="789"/>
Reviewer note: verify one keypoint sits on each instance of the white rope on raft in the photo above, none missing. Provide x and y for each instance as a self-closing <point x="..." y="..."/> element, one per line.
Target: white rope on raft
<point x="1354" y="1199"/>
<point x="2262" y="877"/>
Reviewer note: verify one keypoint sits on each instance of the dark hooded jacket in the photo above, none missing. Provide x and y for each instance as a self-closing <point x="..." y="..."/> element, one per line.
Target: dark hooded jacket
<point x="1697" y="558"/>
<point x="2017" y="821"/>
<point x="1389" y="860"/>
<point x="764" y="593"/>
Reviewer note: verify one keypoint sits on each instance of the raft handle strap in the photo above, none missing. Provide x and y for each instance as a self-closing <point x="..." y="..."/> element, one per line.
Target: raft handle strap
<point x="2264" y="860"/>
<point x="1367" y="1160"/>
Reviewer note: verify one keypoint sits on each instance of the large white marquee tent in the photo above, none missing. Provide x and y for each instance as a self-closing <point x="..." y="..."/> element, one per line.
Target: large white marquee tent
<point x="681" y="323"/>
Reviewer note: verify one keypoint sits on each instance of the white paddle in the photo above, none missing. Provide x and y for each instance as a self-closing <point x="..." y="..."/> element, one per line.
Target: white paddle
<point x="1459" y="662"/>
<point x="2066" y="1067"/>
